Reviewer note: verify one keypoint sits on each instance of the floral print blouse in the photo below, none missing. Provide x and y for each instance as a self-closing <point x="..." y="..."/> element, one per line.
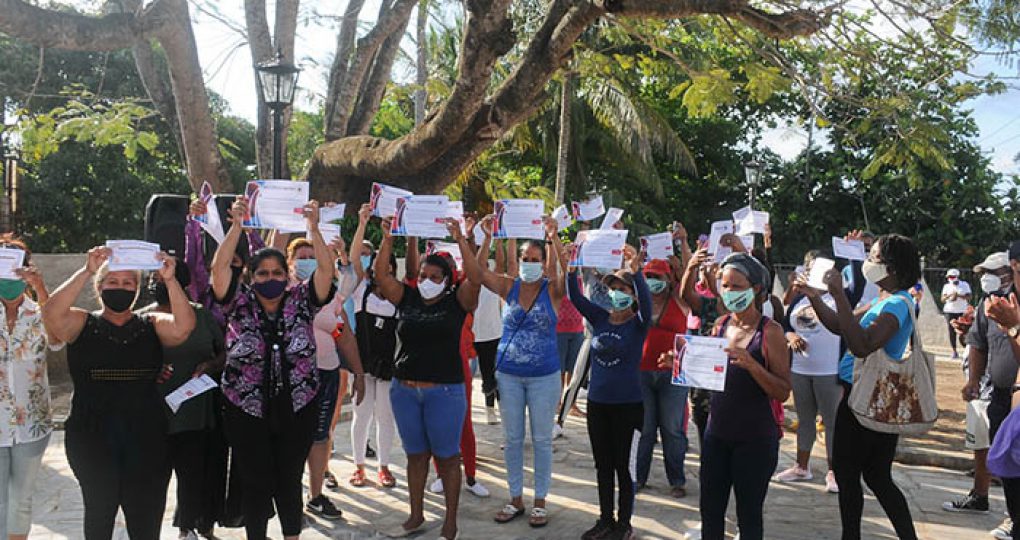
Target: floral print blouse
<point x="250" y="375"/>
<point x="25" y="413"/>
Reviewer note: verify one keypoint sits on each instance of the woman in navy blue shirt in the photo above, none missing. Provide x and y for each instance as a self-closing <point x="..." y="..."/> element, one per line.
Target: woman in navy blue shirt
<point x="615" y="410"/>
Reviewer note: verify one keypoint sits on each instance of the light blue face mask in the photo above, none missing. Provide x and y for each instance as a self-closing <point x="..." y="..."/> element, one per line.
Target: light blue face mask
<point x="530" y="271"/>
<point x="366" y="262"/>
<point x="304" y="268"/>
<point x="738" y="301"/>
<point x="620" y="300"/>
<point x="656" y="286"/>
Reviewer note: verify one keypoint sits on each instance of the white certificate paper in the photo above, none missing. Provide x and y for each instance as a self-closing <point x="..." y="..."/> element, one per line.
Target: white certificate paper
<point x="851" y="250"/>
<point x="276" y="204"/>
<point x="819" y="267"/>
<point x="133" y="255"/>
<point x="657" y="246"/>
<point x="188" y="390"/>
<point x="519" y="218"/>
<point x="748" y="241"/>
<point x="750" y="221"/>
<point x="423" y="216"/>
<point x="329" y="214"/>
<point x="329" y="232"/>
<point x="700" y="362"/>
<point x="10" y="260"/>
<point x="613" y="215"/>
<point x="588" y="210"/>
<point x="383" y="199"/>
<point x="436" y="246"/>
<point x="599" y="249"/>
<point x="210" y="220"/>
<point x="563" y="217"/>
<point x="719" y="228"/>
<point x="455" y="210"/>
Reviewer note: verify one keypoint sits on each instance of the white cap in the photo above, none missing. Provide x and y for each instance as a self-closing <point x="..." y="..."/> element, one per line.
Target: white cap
<point x="993" y="262"/>
<point x="953" y="273"/>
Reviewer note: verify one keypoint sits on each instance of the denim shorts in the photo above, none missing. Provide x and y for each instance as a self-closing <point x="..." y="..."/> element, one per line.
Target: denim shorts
<point x="430" y="420"/>
<point x="329" y="389"/>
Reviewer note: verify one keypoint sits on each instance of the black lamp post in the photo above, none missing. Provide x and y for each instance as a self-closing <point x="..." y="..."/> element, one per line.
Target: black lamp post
<point x="752" y="170"/>
<point x="277" y="81"/>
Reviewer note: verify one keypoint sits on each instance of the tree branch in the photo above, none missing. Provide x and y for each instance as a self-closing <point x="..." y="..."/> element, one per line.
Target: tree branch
<point x="72" y="31"/>
<point x="157" y="89"/>
<point x="374" y="89"/>
<point x="341" y="63"/>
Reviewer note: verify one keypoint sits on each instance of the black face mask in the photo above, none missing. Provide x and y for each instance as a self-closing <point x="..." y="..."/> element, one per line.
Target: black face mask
<point x="159" y="293"/>
<point x="118" y="300"/>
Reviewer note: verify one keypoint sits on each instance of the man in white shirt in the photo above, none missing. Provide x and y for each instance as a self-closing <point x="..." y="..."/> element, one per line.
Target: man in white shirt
<point x="955" y="299"/>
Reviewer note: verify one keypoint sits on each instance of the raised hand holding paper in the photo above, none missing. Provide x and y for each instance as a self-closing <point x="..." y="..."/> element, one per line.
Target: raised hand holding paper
<point x="657" y="246"/>
<point x="719" y="228"/>
<point x="423" y="216"/>
<point x="599" y="249"/>
<point x="210" y="221"/>
<point x="329" y="232"/>
<point x="700" y="362"/>
<point x="588" y="210"/>
<point x="133" y="255"/>
<point x="851" y="250"/>
<point x="383" y="199"/>
<point x="329" y="214"/>
<point x="276" y="204"/>
<point x="562" y="217"/>
<point x="10" y="260"/>
<point x="816" y="279"/>
<point x="519" y="218"/>
<point x="613" y="215"/>
<point x="455" y="210"/>
<point x="750" y="221"/>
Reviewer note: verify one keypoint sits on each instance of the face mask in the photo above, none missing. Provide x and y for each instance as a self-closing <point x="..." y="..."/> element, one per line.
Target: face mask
<point x="304" y="268"/>
<point x="159" y="293"/>
<point x="990" y="284"/>
<point x="531" y="271"/>
<point x="738" y="301"/>
<point x="656" y="285"/>
<point x="10" y="289"/>
<point x="874" y="272"/>
<point x="366" y="262"/>
<point x="118" y="300"/>
<point x="620" y="300"/>
<point x="271" y="289"/>
<point x="430" y="289"/>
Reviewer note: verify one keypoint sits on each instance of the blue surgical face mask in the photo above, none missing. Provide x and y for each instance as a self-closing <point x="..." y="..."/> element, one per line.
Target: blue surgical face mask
<point x="738" y="301"/>
<point x="620" y="300"/>
<point x="531" y="271"/>
<point x="656" y="285"/>
<point x="366" y="262"/>
<point x="304" y="268"/>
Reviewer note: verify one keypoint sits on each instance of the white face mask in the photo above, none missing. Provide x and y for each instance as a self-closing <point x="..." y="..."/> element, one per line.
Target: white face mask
<point x="991" y="283"/>
<point x="874" y="272"/>
<point x="430" y="289"/>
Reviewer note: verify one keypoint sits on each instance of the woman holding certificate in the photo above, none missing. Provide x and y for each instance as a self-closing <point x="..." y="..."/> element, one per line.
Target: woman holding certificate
<point x="427" y="392"/>
<point x="615" y="409"/>
<point x="270" y="380"/>
<point x="116" y="436"/>
<point x="528" y="365"/>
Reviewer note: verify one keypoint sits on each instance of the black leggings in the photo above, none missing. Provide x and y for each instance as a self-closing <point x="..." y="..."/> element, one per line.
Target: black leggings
<point x="613" y="429"/>
<point x="487" y="365"/>
<point x="746" y="467"/>
<point x="860" y="452"/>
<point x="270" y="458"/>
<point x="200" y="462"/>
<point x="950" y="317"/>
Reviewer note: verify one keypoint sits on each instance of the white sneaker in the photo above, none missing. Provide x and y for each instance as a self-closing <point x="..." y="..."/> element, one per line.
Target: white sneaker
<point x="437" y="486"/>
<point x="830" y="482"/>
<point x="557" y="431"/>
<point x="490" y="416"/>
<point x="794" y="474"/>
<point x="1003" y="531"/>
<point x="478" y="490"/>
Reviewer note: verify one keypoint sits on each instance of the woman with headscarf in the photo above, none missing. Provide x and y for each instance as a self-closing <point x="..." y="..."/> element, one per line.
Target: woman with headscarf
<point x="116" y="435"/>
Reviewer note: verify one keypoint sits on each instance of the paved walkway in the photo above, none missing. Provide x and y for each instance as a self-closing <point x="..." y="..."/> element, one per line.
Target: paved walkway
<point x="802" y="511"/>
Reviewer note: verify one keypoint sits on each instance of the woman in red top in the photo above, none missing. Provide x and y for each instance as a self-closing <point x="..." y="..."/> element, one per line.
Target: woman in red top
<point x="665" y="404"/>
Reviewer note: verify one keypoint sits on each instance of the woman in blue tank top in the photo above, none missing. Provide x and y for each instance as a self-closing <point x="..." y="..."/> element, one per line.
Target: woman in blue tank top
<point x="528" y="365"/>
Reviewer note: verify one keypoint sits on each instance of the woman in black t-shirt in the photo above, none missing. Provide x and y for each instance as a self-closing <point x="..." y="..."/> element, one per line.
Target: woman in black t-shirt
<point x="427" y="393"/>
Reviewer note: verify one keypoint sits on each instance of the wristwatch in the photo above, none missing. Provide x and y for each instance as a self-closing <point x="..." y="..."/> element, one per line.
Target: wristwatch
<point x="1013" y="332"/>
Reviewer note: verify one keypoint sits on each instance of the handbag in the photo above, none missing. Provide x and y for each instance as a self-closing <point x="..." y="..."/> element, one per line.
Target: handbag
<point x="895" y="396"/>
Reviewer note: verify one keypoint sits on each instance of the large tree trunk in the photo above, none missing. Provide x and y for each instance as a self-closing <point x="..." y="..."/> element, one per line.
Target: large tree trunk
<point x="422" y="64"/>
<point x="563" y="150"/>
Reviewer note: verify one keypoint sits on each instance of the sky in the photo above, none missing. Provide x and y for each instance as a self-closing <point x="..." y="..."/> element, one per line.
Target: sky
<point x="227" y="64"/>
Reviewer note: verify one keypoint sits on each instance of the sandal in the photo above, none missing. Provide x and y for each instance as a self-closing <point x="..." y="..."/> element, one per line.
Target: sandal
<point x="539" y="518"/>
<point x="358" y="478"/>
<point x="331" y="481"/>
<point x="386" y="479"/>
<point x="508" y="514"/>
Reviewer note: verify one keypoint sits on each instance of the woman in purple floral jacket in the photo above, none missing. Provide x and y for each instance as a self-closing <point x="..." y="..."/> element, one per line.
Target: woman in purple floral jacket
<point x="270" y="380"/>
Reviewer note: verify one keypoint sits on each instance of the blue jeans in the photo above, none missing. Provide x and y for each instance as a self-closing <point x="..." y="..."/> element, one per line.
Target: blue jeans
<point x="429" y="419"/>
<point x="665" y="407"/>
<point x="539" y="395"/>
<point x="19" y="466"/>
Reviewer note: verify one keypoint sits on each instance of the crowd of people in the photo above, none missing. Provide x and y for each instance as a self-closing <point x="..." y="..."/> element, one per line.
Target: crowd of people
<point x="288" y="326"/>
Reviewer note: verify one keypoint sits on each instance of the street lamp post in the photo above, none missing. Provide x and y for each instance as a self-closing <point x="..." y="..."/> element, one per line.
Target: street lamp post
<point x="752" y="170"/>
<point x="277" y="81"/>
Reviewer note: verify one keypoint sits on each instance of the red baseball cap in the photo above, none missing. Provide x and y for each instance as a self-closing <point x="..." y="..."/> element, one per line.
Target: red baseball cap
<point x="658" y="266"/>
